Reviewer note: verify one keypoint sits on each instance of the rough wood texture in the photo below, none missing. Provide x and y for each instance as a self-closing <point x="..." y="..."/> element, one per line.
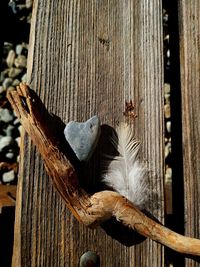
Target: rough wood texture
<point x="190" y="88"/>
<point x="91" y="210"/>
<point x="86" y="58"/>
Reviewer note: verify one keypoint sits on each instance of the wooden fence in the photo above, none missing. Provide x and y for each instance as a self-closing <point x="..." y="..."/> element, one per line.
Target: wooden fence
<point x="87" y="58"/>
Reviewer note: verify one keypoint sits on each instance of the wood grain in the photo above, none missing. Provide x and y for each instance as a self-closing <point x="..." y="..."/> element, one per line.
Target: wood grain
<point x="86" y="58"/>
<point x="189" y="23"/>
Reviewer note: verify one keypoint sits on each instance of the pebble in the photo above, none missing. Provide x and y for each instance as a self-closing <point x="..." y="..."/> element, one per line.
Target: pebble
<point x="10" y="155"/>
<point x="20" y="129"/>
<point x="7" y="82"/>
<point x="15" y="82"/>
<point x="167" y="149"/>
<point x="6" y="115"/>
<point x="83" y="137"/>
<point x="16" y="121"/>
<point x="24" y="78"/>
<point x="167" y="88"/>
<point x="168" y="126"/>
<point x="29" y="4"/>
<point x="168" y="175"/>
<point x="5" y="141"/>
<point x="14" y="72"/>
<point x="21" y="61"/>
<point x="167" y="98"/>
<point x="8" y="177"/>
<point x="10" y="58"/>
<point x="9" y="131"/>
<point x="18" y="140"/>
<point x="89" y="258"/>
<point x="167" y="111"/>
<point x="19" y="49"/>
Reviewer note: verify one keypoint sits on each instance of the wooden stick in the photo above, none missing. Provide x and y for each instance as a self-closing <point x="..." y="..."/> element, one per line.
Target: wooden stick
<point x="90" y="210"/>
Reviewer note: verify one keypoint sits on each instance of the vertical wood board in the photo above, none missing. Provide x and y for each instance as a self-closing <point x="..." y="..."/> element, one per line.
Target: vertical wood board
<point x="87" y="58"/>
<point x="189" y="24"/>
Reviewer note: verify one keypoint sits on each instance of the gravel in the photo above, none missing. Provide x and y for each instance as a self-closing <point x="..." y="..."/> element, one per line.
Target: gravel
<point x="13" y="71"/>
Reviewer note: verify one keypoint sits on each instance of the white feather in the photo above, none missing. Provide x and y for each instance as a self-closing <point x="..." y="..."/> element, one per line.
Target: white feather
<point x="126" y="174"/>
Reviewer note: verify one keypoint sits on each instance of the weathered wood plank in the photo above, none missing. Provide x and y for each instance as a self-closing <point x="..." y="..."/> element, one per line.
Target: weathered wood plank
<point x="86" y="58"/>
<point x="189" y="22"/>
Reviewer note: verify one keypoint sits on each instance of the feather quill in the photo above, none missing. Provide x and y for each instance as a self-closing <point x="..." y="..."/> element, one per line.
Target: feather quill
<point x="126" y="174"/>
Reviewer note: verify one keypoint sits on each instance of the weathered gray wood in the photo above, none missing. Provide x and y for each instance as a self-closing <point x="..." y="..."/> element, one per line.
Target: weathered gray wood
<point x="86" y="58"/>
<point x="189" y="14"/>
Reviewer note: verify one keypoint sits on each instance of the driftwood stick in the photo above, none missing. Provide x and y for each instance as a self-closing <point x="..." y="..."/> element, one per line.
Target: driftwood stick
<point x="90" y="210"/>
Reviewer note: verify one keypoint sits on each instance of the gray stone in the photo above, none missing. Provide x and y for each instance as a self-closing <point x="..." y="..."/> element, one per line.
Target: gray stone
<point x="89" y="258"/>
<point x="83" y="137"/>
<point x="10" y="155"/>
<point x="167" y="149"/>
<point x="5" y="141"/>
<point x="16" y="82"/>
<point x="167" y="110"/>
<point x="8" y="177"/>
<point x="18" y="140"/>
<point x="167" y="88"/>
<point x="10" y="58"/>
<point x="14" y="72"/>
<point x="6" y="115"/>
<point x="168" y="175"/>
<point x="168" y="126"/>
<point x="29" y="4"/>
<point x="24" y="78"/>
<point x="9" y="131"/>
<point x="21" y="61"/>
<point x="167" y="98"/>
<point x="7" y="82"/>
<point x="16" y="121"/>
<point x="19" y="49"/>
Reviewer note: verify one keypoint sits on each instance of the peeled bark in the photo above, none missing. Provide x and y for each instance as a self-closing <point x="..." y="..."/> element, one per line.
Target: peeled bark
<point x="101" y="206"/>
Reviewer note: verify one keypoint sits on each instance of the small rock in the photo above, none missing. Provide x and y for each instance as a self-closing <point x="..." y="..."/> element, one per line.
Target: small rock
<point x="83" y="137"/>
<point x="89" y="258"/>
<point x="168" y="53"/>
<point x="6" y="115"/>
<point x="24" y="78"/>
<point x="14" y="72"/>
<point x="15" y="82"/>
<point x="168" y="126"/>
<point x="167" y="111"/>
<point x="5" y="141"/>
<point x="21" y="61"/>
<point x="10" y="58"/>
<point x="29" y="4"/>
<point x="18" y="140"/>
<point x="9" y="131"/>
<point x="16" y="121"/>
<point x="20" y="129"/>
<point x="8" y="177"/>
<point x="168" y="175"/>
<point x="19" y="49"/>
<point x="167" y="88"/>
<point x="167" y="98"/>
<point x="7" y="82"/>
<point x="10" y="155"/>
<point x="167" y="149"/>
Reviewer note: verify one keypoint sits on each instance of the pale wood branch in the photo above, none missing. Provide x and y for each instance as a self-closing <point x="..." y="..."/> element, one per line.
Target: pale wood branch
<point x="90" y="210"/>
